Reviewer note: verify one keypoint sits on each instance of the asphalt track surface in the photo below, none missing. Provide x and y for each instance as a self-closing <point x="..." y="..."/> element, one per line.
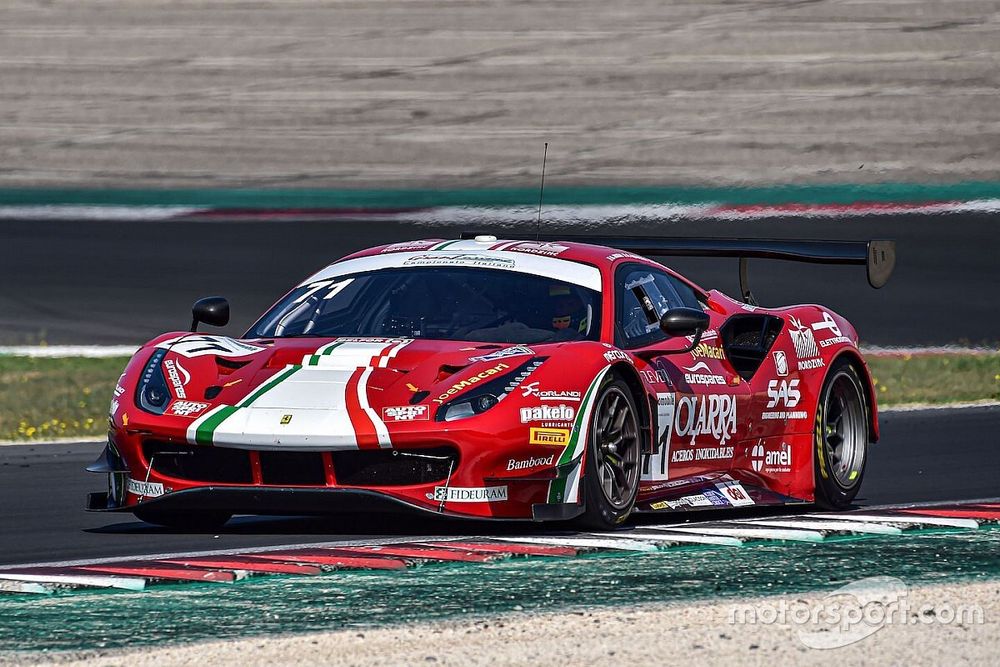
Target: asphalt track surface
<point x="923" y="456"/>
<point x="94" y="282"/>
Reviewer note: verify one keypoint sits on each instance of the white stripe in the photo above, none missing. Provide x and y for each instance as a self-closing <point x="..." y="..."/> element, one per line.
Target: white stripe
<point x="576" y="273"/>
<point x="921" y="407"/>
<point x="380" y="430"/>
<point x="587" y="543"/>
<point x="59" y="351"/>
<point x="661" y="538"/>
<point x="384" y="361"/>
<point x="825" y="524"/>
<point x="128" y="583"/>
<point x="952" y="522"/>
<point x="23" y="587"/>
<point x="751" y="533"/>
<point x="96" y="212"/>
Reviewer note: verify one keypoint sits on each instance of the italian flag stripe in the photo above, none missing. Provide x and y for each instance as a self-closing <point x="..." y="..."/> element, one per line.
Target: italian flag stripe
<point x="364" y="428"/>
<point x="267" y="386"/>
<point x="203" y="436"/>
<point x="442" y="246"/>
<point x="577" y="443"/>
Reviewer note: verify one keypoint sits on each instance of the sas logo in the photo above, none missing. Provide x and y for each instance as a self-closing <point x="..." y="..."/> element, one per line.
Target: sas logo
<point x="406" y="413"/>
<point x="286" y="419"/>
<point x="555" y="437"/>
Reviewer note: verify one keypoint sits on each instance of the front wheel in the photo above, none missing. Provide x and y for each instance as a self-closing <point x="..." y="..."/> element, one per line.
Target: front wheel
<point x="183" y="520"/>
<point x="611" y="479"/>
<point x="840" y="437"/>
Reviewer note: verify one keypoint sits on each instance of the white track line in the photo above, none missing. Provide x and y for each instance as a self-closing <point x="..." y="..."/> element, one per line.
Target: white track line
<point x="128" y="583"/>
<point x="921" y="407"/>
<point x="749" y="533"/>
<point x="809" y="523"/>
<point x="23" y="587"/>
<point x="63" y="351"/>
<point x="661" y="538"/>
<point x="621" y="544"/>
<point x="949" y="522"/>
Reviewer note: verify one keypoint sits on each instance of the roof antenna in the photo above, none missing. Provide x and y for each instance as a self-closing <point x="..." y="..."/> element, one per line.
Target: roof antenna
<point x="541" y="192"/>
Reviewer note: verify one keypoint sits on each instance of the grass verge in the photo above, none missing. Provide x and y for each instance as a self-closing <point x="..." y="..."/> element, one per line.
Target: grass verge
<point x="43" y="399"/>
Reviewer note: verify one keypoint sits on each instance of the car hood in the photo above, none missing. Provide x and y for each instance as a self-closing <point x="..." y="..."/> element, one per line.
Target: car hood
<point x="327" y="393"/>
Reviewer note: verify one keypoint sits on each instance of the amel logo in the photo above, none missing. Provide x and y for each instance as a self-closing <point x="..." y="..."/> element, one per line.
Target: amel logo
<point x="553" y="437"/>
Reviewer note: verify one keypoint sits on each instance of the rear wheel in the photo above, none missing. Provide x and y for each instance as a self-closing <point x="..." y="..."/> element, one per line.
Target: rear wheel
<point x="183" y="520"/>
<point x="841" y="437"/>
<point x="611" y="479"/>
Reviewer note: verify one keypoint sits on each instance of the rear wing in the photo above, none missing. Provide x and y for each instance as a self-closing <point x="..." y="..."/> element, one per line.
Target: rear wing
<point x="878" y="257"/>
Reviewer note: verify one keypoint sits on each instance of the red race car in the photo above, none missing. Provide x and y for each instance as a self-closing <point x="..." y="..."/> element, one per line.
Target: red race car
<point x="546" y="379"/>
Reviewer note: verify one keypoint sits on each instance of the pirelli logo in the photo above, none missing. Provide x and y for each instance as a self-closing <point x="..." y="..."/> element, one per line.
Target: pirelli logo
<point x="549" y="436"/>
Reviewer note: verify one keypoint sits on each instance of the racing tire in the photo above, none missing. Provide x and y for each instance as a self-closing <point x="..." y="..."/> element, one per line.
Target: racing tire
<point x="611" y="473"/>
<point x="841" y="437"/>
<point x="183" y="520"/>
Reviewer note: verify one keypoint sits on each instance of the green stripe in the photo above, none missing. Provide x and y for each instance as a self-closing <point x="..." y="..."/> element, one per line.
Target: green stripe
<point x="442" y="246"/>
<point x="261" y="390"/>
<point x="557" y="487"/>
<point x="502" y="197"/>
<point x="203" y="436"/>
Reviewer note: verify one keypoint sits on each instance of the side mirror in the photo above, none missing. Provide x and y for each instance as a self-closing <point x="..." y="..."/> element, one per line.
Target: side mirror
<point x="212" y="310"/>
<point x="684" y="322"/>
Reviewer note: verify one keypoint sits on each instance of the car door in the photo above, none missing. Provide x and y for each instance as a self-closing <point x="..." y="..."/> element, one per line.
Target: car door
<point x="700" y="397"/>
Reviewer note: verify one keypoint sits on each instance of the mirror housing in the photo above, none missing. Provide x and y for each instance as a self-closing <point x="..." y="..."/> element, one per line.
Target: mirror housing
<point x="684" y="322"/>
<point x="212" y="310"/>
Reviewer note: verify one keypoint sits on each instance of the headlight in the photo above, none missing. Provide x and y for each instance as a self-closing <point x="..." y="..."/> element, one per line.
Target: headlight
<point x="469" y="407"/>
<point x="152" y="394"/>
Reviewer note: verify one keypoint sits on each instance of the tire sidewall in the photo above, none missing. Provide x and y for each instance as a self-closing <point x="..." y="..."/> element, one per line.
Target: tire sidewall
<point x="829" y="493"/>
<point x="599" y="512"/>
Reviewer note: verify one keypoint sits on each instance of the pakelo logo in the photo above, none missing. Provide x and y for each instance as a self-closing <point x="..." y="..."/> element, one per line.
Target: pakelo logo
<point x="457" y="494"/>
<point x="406" y="413"/>
<point x="540" y="413"/>
<point x="515" y="351"/>
<point x="735" y="493"/>
<point x="770" y="460"/>
<point x="713" y="415"/>
<point x="780" y="363"/>
<point x="555" y="437"/>
<point x="706" y="351"/>
<point x="700" y="373"/>
<point x="174" y="369"/>
<point x="524" y="464"/>
<point x="186" y="408"/>
<point x="468" y="382"/>
<point x="532" y="389"/>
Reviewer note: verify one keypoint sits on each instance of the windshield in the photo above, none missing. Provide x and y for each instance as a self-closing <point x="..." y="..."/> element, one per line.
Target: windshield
<point x="481" y="305"/>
